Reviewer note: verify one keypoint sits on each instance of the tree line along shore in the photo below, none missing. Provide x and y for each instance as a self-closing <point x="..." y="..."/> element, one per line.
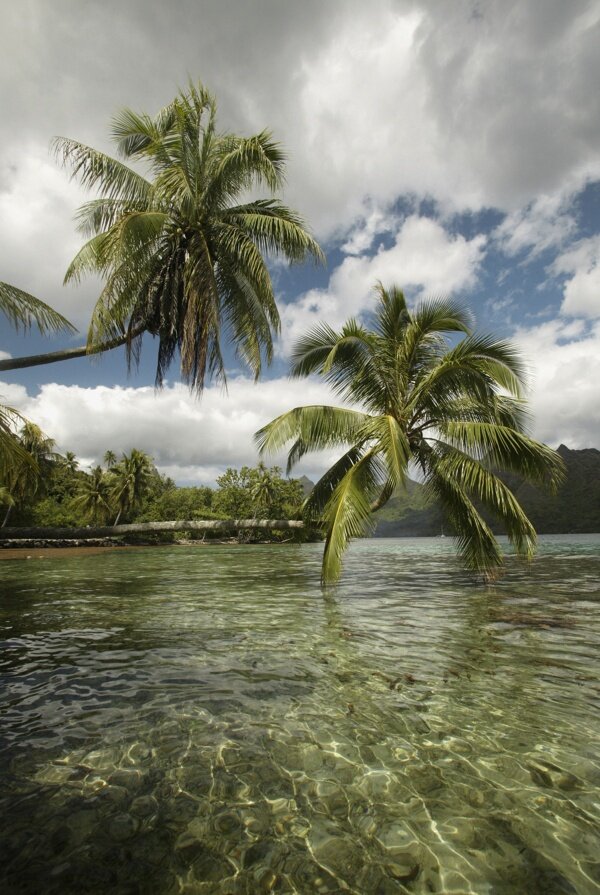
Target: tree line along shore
<point x="182" y="249"/>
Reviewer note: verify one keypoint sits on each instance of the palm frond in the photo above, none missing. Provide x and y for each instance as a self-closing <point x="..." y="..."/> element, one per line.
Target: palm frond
<point x="477" y="545"/>
<point x="99" y="215"/>
<point x="245" y="162"/>
<point x="275" y="229"/>
<point x="344" y="359"/>
<point x="24" y="311"/>
<point x="312" y="428"/>
<point x="392" y="444"/>
<point x="347" y="514"/>
<point x="479" y="364"/>
<point x="483" y="485"/>
<point x="506" y="448"/>
<point x="12" y="452"/>
<point x="140" y="136"/>
<point x="96" y="169"/>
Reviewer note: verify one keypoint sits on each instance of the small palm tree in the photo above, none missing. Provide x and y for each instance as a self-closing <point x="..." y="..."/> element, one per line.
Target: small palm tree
<point x="93" y="496"/>
<point x="455" y="412"/>
<point x="110" y="459"/>
<point x="130" y="480"/>
<point x="263" y="490"/>
<point x="70" y="462"/>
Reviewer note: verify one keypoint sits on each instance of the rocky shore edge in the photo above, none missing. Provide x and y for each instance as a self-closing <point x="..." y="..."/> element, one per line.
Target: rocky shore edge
<point x="11" y="544"/>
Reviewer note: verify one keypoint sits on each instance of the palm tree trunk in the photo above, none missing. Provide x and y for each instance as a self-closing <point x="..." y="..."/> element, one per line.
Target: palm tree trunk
<point x="111" y="531"/>
<point x="116" y="522"/>
<point x="52" y="357"/>
<point x="7" y="514"/>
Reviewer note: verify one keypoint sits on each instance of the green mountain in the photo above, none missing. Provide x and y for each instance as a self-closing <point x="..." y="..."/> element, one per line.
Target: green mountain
<point x="576" y="508"/>
<point x="409" y="513"/>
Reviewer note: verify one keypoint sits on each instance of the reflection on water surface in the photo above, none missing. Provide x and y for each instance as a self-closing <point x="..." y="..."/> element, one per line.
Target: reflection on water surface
<point x="204" y="721"/>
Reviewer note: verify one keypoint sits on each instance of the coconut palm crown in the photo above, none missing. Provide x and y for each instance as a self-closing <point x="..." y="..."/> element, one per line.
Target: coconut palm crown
<point x="454" y="411"/>
<point x="181" y="251"/>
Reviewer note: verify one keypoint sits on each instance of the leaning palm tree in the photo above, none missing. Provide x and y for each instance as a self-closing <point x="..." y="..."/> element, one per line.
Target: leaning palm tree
<point x="455" y="412"/>
<point x="181" y="250"/>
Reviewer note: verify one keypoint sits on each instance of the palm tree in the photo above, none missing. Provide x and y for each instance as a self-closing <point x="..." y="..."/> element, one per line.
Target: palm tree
<point x="130" y="480"/>
<point x="181" y="252"/>
<point x="110" y="459"/>
<point x="70" y="462"/>
<point x="263" y="490"/>
<point x="93" y="497"/>
<point x="455" y="412"/>
<point x="26" y="476"/>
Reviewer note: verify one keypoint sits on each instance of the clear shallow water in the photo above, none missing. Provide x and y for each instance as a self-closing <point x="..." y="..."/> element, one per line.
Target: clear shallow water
<point x="202" y="720"/>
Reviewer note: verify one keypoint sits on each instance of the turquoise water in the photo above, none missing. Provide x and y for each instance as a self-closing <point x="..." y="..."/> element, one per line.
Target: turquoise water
<point x="203" y="720"/>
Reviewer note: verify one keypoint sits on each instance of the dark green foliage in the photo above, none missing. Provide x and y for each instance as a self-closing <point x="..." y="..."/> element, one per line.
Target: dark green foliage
<point x="409" y="513"/>
<point x="179" y="503"/>
<point x="574" y="508"/>
<point x="257" y="493"/>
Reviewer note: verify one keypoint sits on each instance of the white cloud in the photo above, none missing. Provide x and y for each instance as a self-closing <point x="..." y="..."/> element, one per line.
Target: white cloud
<point x="542" y="224"/>
<point x="374" y="222"/>
<point x="582" y="288"/>
<point x="474" y="104"/>
<point x="37" y="236"/>
<point x="424" y="257"/>
<point x="191" y="440"/>
<point x="565" y="363"/>
<point x="4" y="355"/>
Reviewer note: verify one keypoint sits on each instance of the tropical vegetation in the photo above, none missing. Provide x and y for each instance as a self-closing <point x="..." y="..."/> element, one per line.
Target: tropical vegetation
<point x="131" y="489"/>
<point x="454" y="412"/>
<point x="183" y="251"/>
<point x="23" y="311"/>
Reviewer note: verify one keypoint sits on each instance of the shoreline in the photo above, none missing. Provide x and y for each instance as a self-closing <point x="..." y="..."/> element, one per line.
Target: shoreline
<point x="39" y="549"/>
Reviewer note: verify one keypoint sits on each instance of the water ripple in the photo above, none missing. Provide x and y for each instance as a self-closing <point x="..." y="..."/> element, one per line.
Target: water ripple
<point x="205" y="720"/>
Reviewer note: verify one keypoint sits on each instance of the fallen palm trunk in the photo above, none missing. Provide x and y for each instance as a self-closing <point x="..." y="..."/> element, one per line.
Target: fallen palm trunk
<point x="114" y="531"/>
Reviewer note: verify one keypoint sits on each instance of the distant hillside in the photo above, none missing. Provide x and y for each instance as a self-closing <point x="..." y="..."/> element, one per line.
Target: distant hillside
<point x="306" y="485"/>
<point x="408" y="514"/>
<point x="576" y="508"/>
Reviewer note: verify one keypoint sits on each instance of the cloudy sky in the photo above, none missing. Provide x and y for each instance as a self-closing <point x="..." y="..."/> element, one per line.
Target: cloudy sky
<point x="450" y="148"/>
